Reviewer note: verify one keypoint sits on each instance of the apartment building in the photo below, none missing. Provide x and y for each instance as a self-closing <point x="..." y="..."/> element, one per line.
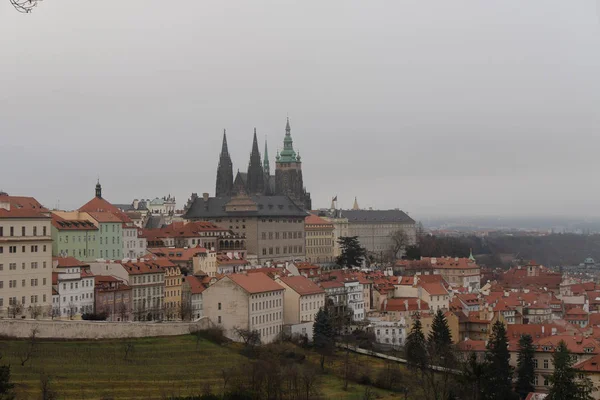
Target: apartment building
<point x="173" y="287"/>
<point x="302" y="300"/>
<point x="319" y="240"/>
<point x="25" y="257"/>
<point x="74" y="285"/>
<point x="113" y="297"/>
<point x="74" y="238"/>
<point x="192" y="289"/>
<point x="246" y="301"/>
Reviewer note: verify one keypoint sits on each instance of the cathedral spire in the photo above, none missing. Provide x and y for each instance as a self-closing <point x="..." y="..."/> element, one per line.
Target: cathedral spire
<point x="266" y="166"/>
<point x="224" y="149"/>
<point x="224" y="184"/>
<point x="256" y="178"/>
<point x="355" y="206"/>
<point x="288" y="155"/>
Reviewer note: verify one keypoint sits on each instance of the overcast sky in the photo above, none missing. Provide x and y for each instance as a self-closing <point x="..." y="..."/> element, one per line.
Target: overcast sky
<point x="435" y="107"/>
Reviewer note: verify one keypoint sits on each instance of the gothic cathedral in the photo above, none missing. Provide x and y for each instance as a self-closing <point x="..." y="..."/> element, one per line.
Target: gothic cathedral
<point x="258" y="181"/>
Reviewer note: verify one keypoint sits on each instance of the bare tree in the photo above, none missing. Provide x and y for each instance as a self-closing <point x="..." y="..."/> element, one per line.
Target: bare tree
<point x="30" y="347"/>
<point x="400" y="240"/>
<point x="123" y="311"/>
<point x="72" y="310"/>
<point x="45" y="385"/>
<point x="251" y="338"/>
<point x="24" y="6"/>
<point x="15" y="309"/>
<point x="369" y="393"/>
<point x="185" y="310"/>
<point x="35" y="311"/>
<point x="128" y="350"/>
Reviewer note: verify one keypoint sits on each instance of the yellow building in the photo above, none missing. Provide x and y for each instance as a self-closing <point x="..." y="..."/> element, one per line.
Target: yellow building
<point x="319" y="240"/>
<point x="173" y="289"/>
<point x="25" y="257"/>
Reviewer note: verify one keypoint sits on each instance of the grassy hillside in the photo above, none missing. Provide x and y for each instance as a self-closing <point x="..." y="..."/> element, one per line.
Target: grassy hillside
<point x="156" y="368"/>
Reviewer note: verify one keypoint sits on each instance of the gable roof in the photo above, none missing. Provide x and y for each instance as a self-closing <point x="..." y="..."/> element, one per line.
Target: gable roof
<point x="377" y="216"/>
<point x="302" y="285"/>
<point x="255" y="283"/>
<point x="22" y="207"/>
<point x="98" y="204"/>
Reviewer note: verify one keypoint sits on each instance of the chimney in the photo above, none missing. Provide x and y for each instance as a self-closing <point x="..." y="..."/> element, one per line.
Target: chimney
<point x="406" y="304"/>
<point x="5" y="205"/>
<point x="543" y="330"/>
<point x="419" y="304"/>
<point x="205" y="196"/>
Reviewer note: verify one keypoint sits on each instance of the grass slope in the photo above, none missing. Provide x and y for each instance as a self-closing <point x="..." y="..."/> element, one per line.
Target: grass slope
<point x="157" y="368"/>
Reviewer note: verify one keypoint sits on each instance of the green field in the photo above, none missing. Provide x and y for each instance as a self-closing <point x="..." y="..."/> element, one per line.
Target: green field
<point x="157" y="368"/>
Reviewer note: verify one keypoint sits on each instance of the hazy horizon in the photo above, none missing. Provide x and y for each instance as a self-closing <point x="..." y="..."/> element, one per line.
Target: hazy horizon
<point x="436" y="108"/>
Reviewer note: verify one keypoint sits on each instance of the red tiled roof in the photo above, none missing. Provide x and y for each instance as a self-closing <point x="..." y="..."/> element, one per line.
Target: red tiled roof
<point x="255" y="283"/>
<point x="148" y="267"/>
<point x="72" y="225"/>
<point x="301" y="285"/>
<point x="103" y="217"/>
<point x="68" y="262"/>
<point x="98" y="204"/>
<point x="313" y="219"/>
<point x="434" y="288"/>
<point x="22" y="207"/>
<point x="196" y="285"/>
<point x="331" y="284"/>
<point x="177" y="253"/>
<point x="471" y="345"/>
<point x="589" y="365"/>
<point x="401" y="303"/>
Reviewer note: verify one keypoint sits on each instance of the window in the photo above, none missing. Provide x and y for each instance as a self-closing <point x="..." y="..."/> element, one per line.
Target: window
<point x="12" y="231"/>
<point x="12" y="249"/>
<point x="546" y="364"/>
<point x="219" y="319"/>
<point x="22" y="231"/>
<point x="44" y="231"/>
<point x="219" y="306"/>
<point x="535" y="364"/>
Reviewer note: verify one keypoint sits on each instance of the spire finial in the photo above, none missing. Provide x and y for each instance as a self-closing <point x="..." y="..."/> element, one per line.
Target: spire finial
<point x="98" y="188"/>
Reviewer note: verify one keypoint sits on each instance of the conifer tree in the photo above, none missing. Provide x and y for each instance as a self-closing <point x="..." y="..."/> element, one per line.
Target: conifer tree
<point x="323" y="335"/>
<point x="498" y="377"/>
<point x="440" y="351"/>
<point x="416" y="348"/>
<point x="525" y="366"/>
<point x="564" y="382"/>
<point x="439" y="341"/>
<point x="353" y="254"/>
<point x="6" y="387"/>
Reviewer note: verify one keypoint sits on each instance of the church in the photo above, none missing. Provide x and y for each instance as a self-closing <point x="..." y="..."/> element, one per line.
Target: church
<point x="258" y="180"/>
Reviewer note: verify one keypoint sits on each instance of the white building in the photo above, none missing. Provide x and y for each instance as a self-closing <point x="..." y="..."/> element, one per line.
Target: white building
<point x="74" y="285"/>
<point x="251" y="301"/>
<point x="389" y="333"/>
<point x="355" y="299"/>
<point x="134" y="246"/>
<point x="303" y="299"/>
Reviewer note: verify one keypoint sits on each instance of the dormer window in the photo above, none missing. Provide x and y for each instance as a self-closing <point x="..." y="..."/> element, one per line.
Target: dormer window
<point x="588" y="349"/>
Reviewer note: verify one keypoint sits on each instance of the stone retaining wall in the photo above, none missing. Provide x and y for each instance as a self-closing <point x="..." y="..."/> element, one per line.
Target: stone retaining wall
<point x="96" y="329"/>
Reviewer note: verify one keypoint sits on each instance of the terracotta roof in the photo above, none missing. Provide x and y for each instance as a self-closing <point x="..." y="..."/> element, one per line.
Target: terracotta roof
<point x="301" y="285"/>
<point x="575" y="343"/>
<point x="404" y="304"/>
<point x="595" y="319"/>
<point x="434" y="288"/>
<point x="196" y="285"/>
<point x="72" y="225"/>
<point x="255" y="283"/>
<point x="177" y="253"/>
<point x="148" y="267"/>
<point x="103" y="217"/>
<point x="313" y="219"/>
<point x="590" y="365"/>
<point x="68" y="262"/>
<point x="98" y="204"/>
<point x="331" y="284"/>
<point x="577" y="311"/>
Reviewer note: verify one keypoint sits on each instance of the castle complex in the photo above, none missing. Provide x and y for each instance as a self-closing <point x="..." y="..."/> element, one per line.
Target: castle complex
<point x="258" y="181"/>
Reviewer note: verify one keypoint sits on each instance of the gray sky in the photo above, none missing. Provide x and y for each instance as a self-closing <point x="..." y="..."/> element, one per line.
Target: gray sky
<point x="436" y="107"/>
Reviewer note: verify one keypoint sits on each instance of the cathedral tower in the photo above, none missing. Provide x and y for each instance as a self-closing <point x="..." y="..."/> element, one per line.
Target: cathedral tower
<point x="224" y="185"/>
<point x="288" y="173"/>
<point x="256" y="179"/>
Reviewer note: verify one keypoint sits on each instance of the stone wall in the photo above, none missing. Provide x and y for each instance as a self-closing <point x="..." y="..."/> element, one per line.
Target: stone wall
<point x="96" y="329"/>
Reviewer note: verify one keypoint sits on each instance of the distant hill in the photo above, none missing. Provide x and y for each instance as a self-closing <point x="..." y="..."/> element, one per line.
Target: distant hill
<point x="498" y="251"/>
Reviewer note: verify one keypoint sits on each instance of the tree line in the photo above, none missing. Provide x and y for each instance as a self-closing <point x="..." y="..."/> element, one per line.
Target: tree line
<point x="465" y="375"/>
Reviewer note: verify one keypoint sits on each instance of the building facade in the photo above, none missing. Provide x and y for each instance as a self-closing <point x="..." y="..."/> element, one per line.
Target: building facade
<point x="302" y="300"/>
<point x="25" y="257"/>
<point x="272" y="225"/>
<point x="74" y="238"/>
<point x="74" y="285"/>
<point x="319" y="240"/>
<point x="246" y="301"/>
<point x="113" y="297"/>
